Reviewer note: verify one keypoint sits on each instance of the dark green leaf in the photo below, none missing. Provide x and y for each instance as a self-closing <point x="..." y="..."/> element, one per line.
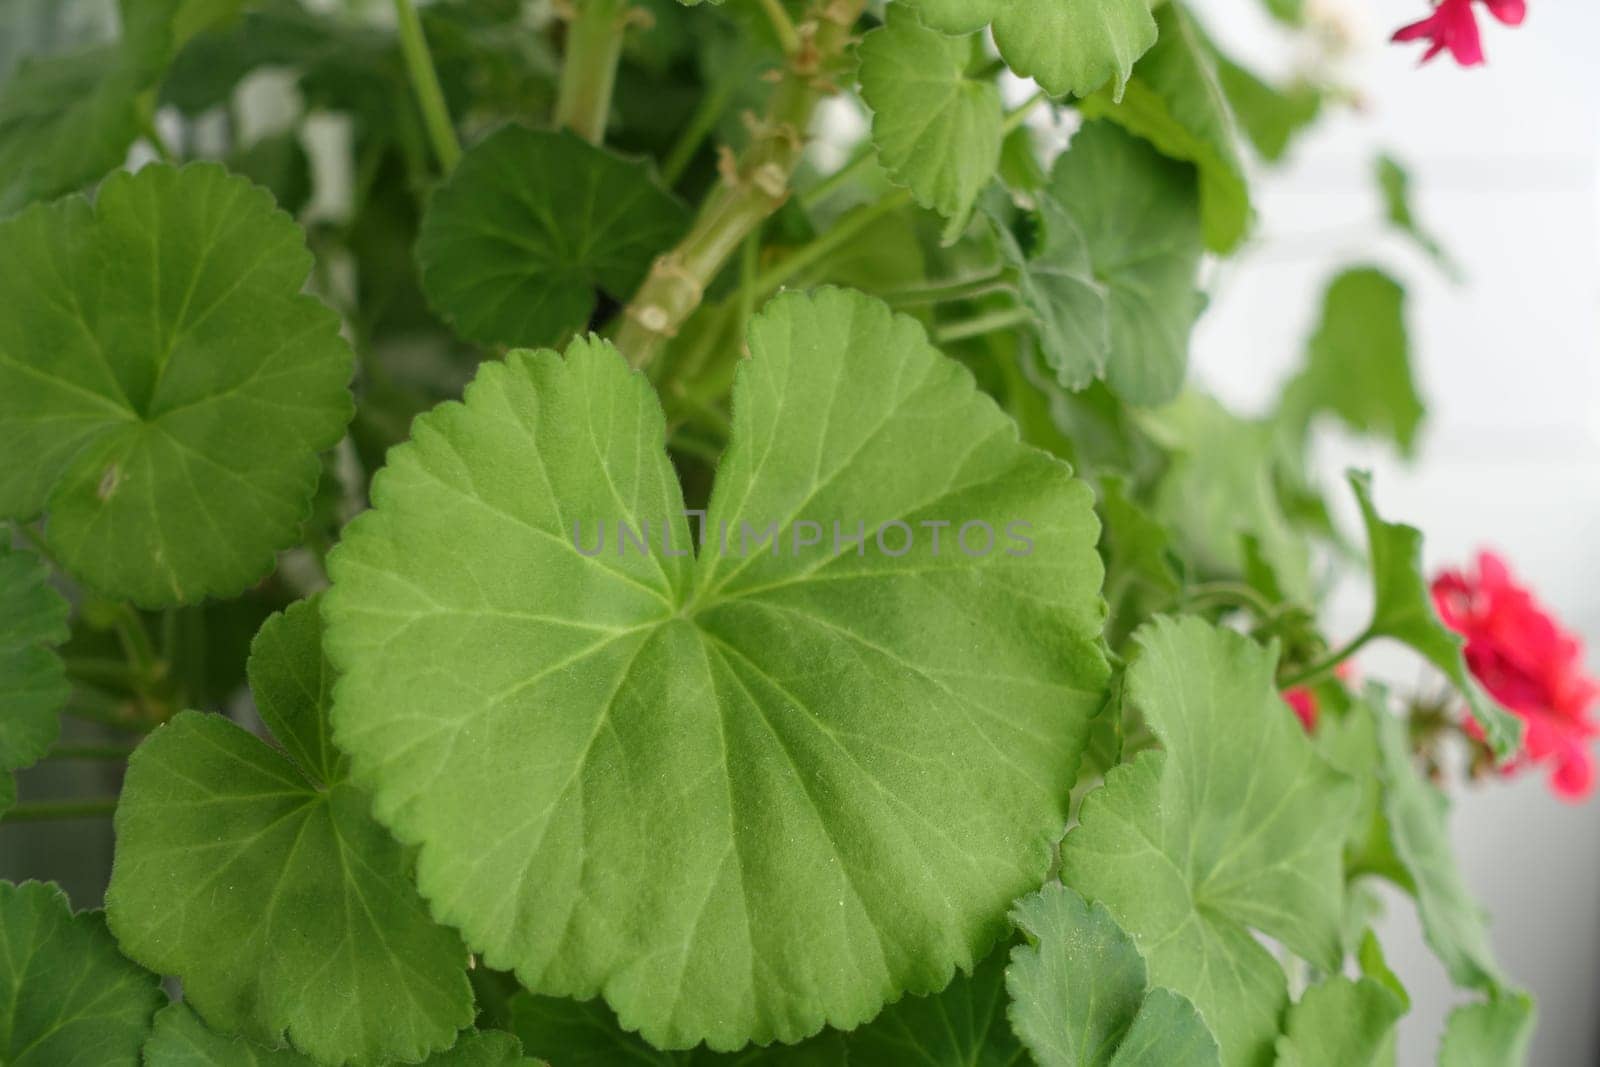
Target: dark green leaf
<point x="33" y="683"/>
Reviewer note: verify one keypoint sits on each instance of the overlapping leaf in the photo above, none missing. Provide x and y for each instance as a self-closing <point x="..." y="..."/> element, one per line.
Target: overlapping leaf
<point x="531" y="226"/>
<point x="937" y="130"/>
<point x="746" y="794"/>
<point x="1358" y="365"/>
<point x="1394" y="184"/>
<point x="67" y="997"/>
<point x="1079" y="996"/>
<point x="33" y="683"/>
<point x="167" y="380"/>
<point x="1492" y="1033"/>
<point x="1070" y="307"/>
<point x="1176" y="102"/>
<point x="1341" y="1022"/>
<point x="259" y="878"/>
<point x="1237" y="826"/>
<point x="1067" y="46"/>
<point x="67" y="120"/>
<point x="1403" y="610"/>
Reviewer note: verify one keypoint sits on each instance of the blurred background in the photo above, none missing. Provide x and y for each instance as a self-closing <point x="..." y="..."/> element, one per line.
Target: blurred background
<point x="1504" y="161"/>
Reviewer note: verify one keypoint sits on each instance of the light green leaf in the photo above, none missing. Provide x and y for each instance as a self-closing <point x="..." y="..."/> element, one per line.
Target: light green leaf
<point x="1394" y="184"/>
<point x="1403" y="610"/>
<point x="1453" y="924"/>
<point x="168" y="381"/>
<point x="531" y="226"/>
<point x="1271" y="117"/>
<point x="1176" y="102"/>
<point x="269" y="890"/>
<point x="1138" y="213"/>
<point x="180" y="1039"/>
<point x="69" y="998"/>
<point x="1494" y="1033"/>
<point x="66" y="120"/>
<point x="33" y="682"/>
<point x="1067" y="46"/>
<point x="1237" y="826"/>
<point x="1340" y="1023"/>
<point x="937" y="131"/>
<point x="699" y="787"/>
<point x="1078" y="992"/>
<point x="962" y="1026"/>
<point x="1359" y="362"/>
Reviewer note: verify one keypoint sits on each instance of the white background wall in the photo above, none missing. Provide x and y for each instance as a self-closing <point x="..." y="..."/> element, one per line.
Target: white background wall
<point x="1505" y="162"/>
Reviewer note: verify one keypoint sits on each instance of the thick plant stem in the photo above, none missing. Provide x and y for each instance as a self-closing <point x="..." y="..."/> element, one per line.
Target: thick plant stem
<point x="589" y="71"/>
<point x="752" y="187"/>
<point x="1322" y="667"/>
<point x="425" y="82"/>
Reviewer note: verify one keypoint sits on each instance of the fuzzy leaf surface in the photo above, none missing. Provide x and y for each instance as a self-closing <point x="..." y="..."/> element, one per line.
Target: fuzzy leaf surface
<point x="700" y="785"/>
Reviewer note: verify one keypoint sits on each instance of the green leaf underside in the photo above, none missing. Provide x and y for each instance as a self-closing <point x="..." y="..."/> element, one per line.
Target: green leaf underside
<point x="270" y="891"/>
<point x="1139" y="216"/>
<point x="1495" y="1033"/>
<point x="530" y="225"/>
<point x="1359" y="361"/>
<point x="1078" y="993"/>
<point x="1177" y="104"/>
<point x="168" y="381"/>
<point x="1069" y="305"/>
<point x="1236" y="826"/>
<point x="937" y="131"/>
<point x="69" y="998"/>
<point x="1403" y="610"/>
<point x="180" y="1039"/>
<point x="66" y="120"/>
<point x="1453" y="924"/>
<point x="1340" y="1023"/>
<point x="33" y="682"/>
<point x="739" y="797"/>
<point x="1067" y="46"/>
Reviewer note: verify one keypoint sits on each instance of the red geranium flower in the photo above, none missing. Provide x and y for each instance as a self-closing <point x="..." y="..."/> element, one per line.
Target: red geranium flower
<point x="1304" y="703"/>
<point x="1454" y="26"/>
<point x="1529" y="663"/>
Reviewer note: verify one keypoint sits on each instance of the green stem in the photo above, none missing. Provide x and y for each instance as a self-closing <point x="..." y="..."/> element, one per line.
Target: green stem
<point x="425" y="83"/>
<point x="699" y="127"/>
<point x="945" y="292"/>
<point x="1331" y="662"/>
<point x="61" y="809"/>
<point x="752" y="188"/>
<point x="839" y="178"/>
<point x="36" y="540"/>
<point x="90" y="752"/>
<point x="589" y="72"/>
<point x="1017" y="117"/>
<point x="991" y="322"/>
<point x="783" y="26"/>
<point x="843" y="232"/>
<point x="1236" y="594"/>
<point x="102" y="671"/>
<point x="135" y="641"/>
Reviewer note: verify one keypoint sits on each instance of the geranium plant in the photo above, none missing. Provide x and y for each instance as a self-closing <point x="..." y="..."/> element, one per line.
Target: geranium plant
<point x="589" y="556"/>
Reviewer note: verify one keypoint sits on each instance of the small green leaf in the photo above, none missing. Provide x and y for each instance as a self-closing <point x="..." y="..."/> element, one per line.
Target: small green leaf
<point x="1237" y="825"/>
<point x="1493" y="1033"/>
<point x="1078" y="992"/>
<point x="1340" y="1023"/>
<point x="67" y="997"/>
<point x="1068" y="46"/>
<point x="1417" y="813"/>
<point x="1176" y="102"/>
<point x="937" y="131"/>
<point x="264" y="885"/>
<point x="67" y="120"/>
<point x="180" y="1039"/>
<point x="167" y="379"/>
<point x="1394" y="183"/>
<point x="1403" y="610"/>
<point x="1141" y="577"/>
<point x="531" y="226"/>
<point x="1359" y="362"/>
<point x="33" y="683"/>
<point x="1271" y="117"/>
<point x="1139" y="216"/>
<point x="699" y="786"/>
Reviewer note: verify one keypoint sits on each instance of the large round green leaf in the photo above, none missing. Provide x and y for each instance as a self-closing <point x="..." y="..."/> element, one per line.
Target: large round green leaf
<point x="167" y="381"/>
<point x="259" y="878"/>
<point x="531" y="226"/>
<point x="67" y="997"/>
<point x="33" y="682"/>
<point x="747" y="793"/>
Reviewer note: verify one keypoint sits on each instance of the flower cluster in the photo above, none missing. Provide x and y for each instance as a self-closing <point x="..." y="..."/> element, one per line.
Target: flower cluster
<point x="1530" y="664"/>
<point x="1453" y="26"/>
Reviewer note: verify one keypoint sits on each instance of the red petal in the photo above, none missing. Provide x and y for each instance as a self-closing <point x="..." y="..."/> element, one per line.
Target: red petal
<point x="1510" y="12"/>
